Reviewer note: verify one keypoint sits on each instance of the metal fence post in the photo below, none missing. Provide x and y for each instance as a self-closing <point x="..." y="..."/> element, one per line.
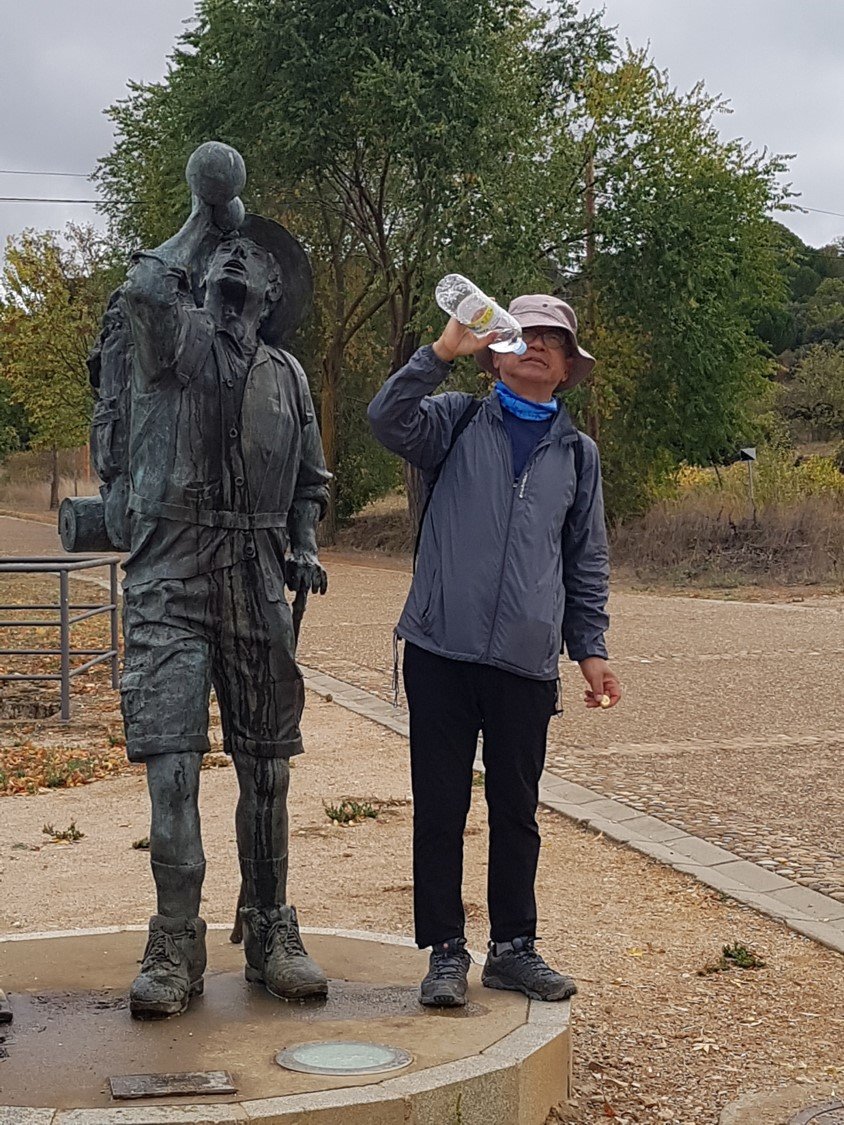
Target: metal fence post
<point x="115" y="662"/>
<point x="64" y="628"/>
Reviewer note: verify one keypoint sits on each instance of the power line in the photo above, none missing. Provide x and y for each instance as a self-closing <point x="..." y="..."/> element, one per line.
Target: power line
<point x="22" y="172"/>
<point x="818" y="211"/>
<point x="38" y="199"/>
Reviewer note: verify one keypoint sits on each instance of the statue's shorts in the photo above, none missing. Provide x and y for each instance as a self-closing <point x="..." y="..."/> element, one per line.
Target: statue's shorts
<point x="227" y="629"/>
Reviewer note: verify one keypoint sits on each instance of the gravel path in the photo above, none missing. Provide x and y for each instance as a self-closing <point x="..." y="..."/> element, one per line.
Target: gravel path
<point x="656" y="1042"/>
<point x="732" y="726"/>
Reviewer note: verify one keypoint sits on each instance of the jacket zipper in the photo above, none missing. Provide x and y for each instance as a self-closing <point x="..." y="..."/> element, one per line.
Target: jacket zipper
<point x="520" y="486"/>
<point x="506" y="542"/>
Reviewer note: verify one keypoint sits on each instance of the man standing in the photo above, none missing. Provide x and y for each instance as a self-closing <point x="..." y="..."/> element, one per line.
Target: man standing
<point x="227" y="483"/>
<point x="512" y="567"/>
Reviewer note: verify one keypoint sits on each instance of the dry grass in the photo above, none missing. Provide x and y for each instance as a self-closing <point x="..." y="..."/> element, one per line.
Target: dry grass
<point x="25" y="480"/>
<point x="706" y="533"/>
<point x="711" y="538"/>
<point x="381" y="526"/>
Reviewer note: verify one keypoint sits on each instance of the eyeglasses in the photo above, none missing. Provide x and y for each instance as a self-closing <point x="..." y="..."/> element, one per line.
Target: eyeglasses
<point x="549" y="337"/>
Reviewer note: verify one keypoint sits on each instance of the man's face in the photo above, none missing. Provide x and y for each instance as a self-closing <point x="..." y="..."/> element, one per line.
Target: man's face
<point x="240" y="280"/>
<point x="545" y="363"/>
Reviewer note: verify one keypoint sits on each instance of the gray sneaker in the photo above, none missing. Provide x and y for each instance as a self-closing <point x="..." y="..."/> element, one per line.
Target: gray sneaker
<point x="447" y="979"/>
<point x="172" y="968"/>
<point x="517" y="967"/>
<point x="276" y="957"/>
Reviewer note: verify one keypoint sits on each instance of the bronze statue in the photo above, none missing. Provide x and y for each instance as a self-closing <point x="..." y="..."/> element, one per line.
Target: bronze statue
<point x="223" y="483"/>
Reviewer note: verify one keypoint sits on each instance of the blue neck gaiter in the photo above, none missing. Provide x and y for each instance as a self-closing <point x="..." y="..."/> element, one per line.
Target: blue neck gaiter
<point x="523" y="407"/>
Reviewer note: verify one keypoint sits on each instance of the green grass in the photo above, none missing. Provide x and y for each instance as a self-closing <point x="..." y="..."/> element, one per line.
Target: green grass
<point x="349" y="811"/>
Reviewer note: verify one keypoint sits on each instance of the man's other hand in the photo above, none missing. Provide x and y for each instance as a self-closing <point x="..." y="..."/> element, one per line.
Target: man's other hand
<point x="602" y="682"/>
<point x="303" y="572"/>
<point x="456" y="340"/>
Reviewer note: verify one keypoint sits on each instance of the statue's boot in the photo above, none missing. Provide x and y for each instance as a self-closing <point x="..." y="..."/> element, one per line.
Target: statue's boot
<point x="172" y="968"/>
<point x="276" y="957"/>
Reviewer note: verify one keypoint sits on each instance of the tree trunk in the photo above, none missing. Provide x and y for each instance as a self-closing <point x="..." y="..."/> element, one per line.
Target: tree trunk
<point x="328" y="428"/>
<point x="54" y="481"/>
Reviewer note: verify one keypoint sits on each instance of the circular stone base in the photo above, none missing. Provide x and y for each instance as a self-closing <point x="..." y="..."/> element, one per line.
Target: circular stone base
<point x="501" y="1060"/>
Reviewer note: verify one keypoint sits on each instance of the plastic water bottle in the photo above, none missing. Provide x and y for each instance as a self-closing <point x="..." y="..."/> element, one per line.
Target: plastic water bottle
<point x="462" y="299"/>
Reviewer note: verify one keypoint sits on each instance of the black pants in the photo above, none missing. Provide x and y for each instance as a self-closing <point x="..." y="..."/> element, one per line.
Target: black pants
<point x="451" y="701"/>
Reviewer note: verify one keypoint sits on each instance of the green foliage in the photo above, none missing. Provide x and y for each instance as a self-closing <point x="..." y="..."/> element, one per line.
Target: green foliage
<point x="814" y="396"/>
<point x="685" y="263"/>
<point x="400" y="140"/>
<point x="348" y="811"/>
<point x="14" y="432"/>
<point x="734" y="956"/>
<point x="54" y="289"/>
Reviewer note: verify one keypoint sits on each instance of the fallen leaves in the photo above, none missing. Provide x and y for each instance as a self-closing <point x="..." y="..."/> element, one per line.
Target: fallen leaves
<point x="29" y="768"/>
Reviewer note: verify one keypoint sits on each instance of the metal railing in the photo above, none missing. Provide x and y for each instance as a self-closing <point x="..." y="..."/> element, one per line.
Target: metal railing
<point x="63" y="566"/>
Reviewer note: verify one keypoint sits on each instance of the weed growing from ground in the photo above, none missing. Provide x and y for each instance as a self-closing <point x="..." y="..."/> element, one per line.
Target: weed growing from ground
<point x="735" y="956"/>
<point x="350" y="812"/>
<point x="67" y="835"/>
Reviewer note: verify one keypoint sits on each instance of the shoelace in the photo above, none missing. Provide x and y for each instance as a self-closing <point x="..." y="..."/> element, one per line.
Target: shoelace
<point x="161" y="947"/>
<point x="287" y="934"/>
<point x="533" y="960"/>
<point x="447" y="966"/>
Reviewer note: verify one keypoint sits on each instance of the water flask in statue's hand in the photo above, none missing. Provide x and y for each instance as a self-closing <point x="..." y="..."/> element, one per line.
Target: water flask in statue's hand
<point x="462" y="299"/>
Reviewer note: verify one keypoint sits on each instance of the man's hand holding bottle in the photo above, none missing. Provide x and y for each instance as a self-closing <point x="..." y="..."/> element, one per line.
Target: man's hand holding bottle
<point x="456" y="340"/>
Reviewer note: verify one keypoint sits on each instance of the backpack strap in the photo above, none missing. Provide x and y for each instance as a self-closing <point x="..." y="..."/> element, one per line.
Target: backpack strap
<point x="472" y="408"/>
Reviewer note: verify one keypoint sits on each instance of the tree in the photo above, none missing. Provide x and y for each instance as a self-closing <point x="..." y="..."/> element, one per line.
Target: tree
<point x="814" y="397"/>
<point x="54" y="290"/>
<point x="401" y="139"/>
<point x="398" y="138"/>
<point x="13" y="428"/>
<point x="684" y="264"/>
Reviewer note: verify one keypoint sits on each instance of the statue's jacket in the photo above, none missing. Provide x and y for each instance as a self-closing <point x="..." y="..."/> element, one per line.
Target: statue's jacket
<point x="221" y="443"/>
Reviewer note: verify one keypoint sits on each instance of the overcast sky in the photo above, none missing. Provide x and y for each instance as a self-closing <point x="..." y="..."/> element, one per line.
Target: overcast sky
<point x="780" y="62"/>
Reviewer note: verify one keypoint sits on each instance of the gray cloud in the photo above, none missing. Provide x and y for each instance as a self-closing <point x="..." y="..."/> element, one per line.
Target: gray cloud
<point x="781" y="66"/>
<point x="779" y="63"/>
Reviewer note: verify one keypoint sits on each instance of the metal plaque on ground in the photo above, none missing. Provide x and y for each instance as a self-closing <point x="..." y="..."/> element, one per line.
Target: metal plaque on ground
<point x="201" y="1082"/>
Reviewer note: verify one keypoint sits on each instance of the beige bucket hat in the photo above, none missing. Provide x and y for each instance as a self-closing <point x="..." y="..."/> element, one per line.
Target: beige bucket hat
<point x="537" y="310"/>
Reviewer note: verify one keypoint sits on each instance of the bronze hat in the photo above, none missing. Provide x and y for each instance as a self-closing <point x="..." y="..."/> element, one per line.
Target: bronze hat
<point x="297" y="282"/>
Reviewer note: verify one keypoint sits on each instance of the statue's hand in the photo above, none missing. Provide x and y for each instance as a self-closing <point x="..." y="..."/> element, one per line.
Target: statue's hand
<point x="229" y="216"/>
<point x="303" y="572"/>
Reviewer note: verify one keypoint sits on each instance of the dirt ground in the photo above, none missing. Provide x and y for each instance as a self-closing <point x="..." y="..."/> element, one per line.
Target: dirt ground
<point x="654" y="1041"/>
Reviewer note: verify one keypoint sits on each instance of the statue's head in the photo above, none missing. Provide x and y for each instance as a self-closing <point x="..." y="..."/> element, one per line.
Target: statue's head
<point x="262" y="275"/>
<point x="243" y="280"/>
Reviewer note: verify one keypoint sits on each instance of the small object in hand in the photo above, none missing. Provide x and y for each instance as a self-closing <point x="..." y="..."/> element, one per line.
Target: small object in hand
<point x="6" y="1015"/>
<point x="605" y="701"/>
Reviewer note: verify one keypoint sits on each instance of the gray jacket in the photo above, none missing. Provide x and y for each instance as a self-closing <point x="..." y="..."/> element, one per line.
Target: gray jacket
<point x="507" y="571"/>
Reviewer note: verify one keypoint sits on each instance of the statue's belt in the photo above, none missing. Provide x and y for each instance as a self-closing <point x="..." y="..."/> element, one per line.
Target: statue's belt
<point x="206" y="517"/>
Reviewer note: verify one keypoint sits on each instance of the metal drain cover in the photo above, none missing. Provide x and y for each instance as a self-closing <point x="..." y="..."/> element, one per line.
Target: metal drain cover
<point x="830" y="1113"/>
<point x="340" y="1057"/>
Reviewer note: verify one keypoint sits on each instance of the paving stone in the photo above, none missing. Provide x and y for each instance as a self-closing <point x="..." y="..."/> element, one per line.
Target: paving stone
<point x="819" y="908"/>
<point x="608" y="810"/>
<point x="650" y="828"/>
<point x="827" y="933"/>
<point x="753" y="877"/>
<point x="712" y="877"/>
<point x="701" y="851"/>
<point x="569" y="791"/>
<point x="18" y="1115"/>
